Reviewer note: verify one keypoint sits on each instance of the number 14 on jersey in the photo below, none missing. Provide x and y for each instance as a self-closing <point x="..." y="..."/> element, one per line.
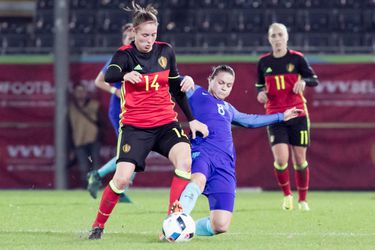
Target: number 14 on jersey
<point x="153" y="85"/>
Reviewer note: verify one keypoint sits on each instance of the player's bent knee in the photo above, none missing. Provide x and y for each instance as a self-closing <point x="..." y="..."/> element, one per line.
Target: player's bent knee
<point x="186" y="166"/>
<point x="220" y="228"/>
<point x="301" y="166"/>
<point x="183" y="164"/>
<point x="120" y="183"/>
<point x="280" y="165"/>
<point x="180" y="157"/>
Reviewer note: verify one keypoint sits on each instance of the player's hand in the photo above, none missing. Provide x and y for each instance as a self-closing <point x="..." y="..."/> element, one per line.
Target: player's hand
<point x="187" y="84"/>
<point x="118" y="93"/>
<point x="197" y="126"/>
<point x="133" y="77"/>
<point x="292" y="113"/>
<point x="262" y="97"/>
<point x="299" y="87"/>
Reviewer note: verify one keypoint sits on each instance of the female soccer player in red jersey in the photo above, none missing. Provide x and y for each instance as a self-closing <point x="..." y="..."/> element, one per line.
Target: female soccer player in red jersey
<point x="282" y="77"/>
<point x="148" y="121"/>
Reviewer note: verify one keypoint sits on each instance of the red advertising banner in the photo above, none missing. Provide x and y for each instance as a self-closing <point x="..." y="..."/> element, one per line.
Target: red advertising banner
<point x="339" y="159"/>
<point x="27" y="161"/>
<point x="27" y="158"/>
<point x="342" y="108"/>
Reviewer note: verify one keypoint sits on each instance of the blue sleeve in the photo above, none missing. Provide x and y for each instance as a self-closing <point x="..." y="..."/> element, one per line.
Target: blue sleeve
<point x="191" y="92"/>
<point x="254" y="121"/>
<point x="104" y="69"/>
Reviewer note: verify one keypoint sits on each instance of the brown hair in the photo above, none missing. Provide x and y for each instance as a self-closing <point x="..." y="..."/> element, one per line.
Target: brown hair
<point x="126" y="27"/>
<point x="142" y="15"/>
<point x="221" y="68"/>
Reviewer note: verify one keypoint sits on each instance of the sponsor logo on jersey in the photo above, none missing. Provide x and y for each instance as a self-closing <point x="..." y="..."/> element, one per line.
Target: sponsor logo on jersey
<point x="195" y="154"/>
<point x="290" y="67"/>
<point x="163" y="62"/>
<point x="268" y="70"/>
<point x="138" y="68"/>
<point x="126" y="148"/>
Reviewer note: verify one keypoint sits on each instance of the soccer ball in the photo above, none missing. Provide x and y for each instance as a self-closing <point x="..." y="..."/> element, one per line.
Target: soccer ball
<point x="178" y="227"/>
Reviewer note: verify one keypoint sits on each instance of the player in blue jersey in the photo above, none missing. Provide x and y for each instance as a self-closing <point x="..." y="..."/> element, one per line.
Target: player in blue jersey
<point x="213" y="168"/>
<point x="94" y="178"/>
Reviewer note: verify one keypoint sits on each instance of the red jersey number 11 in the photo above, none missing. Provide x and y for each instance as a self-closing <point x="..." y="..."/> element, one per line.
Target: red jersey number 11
<point x="280" y="82"/>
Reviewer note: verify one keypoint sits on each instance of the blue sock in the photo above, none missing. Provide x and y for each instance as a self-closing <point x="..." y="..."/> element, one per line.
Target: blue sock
<point x="189" y="197"/>
<point x="203" y="227"/>
<point x="109" y="167"/>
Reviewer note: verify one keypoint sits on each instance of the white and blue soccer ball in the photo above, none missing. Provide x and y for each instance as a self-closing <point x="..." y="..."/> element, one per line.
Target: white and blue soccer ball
<point x="179" y="227"/>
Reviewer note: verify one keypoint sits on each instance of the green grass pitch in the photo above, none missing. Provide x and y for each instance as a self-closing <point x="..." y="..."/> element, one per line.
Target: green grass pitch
<point x="60" y="220"/>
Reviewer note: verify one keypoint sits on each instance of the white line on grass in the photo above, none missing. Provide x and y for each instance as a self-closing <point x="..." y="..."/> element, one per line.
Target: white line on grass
<point x="291" y="234"/>
<point x="73" y="232"/>
<point x="331" y="234"/>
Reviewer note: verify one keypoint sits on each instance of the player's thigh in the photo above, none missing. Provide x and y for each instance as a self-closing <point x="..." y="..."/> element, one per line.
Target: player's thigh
<point x="201" y="161"/>
<point x="134" y="144"/>
<point x="278" y="133"/>
<point x="280" y="153"/>
<point x="221" y="201"/>
<point x="221" y="182"/>
<point x="180" y="156"/>
<point x="299" y="132"/>
<point x="174" y="144"/>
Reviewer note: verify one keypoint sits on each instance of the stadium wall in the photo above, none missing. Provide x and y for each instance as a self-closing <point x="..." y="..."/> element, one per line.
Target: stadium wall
<point x="342" y="108"/>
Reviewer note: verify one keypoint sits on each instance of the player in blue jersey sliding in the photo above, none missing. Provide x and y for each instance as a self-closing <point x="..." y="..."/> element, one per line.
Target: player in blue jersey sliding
<point x="213" y="167"/>
<point x="94" y="178"/>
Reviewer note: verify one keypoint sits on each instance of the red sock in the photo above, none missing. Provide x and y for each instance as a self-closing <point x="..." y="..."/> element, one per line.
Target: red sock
<point x="282" y="177"/>
<point x="178" y="185"/>
<point x="108" y="202"/>
<point x="302" y="183"/>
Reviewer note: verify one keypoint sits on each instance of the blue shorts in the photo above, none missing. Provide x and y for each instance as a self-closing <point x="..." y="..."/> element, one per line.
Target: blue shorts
<point x="219" y="170"/>
<point x="221" y="201"/>
<point x="114" y="111"/>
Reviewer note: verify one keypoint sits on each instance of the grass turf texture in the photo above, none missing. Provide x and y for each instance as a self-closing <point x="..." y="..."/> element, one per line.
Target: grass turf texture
<point x="61" y="219"/>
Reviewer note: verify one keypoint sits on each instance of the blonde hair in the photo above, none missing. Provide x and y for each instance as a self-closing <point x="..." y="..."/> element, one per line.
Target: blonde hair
<point x="142" y="15"/>
<point x="278" y="25"/>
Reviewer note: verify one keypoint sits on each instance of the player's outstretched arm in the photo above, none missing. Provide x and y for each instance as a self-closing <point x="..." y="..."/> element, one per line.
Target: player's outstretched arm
<point x="254" y="121"/>
<point x="292" y="113"/>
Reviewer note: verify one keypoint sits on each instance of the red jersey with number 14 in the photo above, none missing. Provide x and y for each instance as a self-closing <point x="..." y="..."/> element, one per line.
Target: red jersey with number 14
<point x="148" y="103"/>
<point x="278" y="77"/>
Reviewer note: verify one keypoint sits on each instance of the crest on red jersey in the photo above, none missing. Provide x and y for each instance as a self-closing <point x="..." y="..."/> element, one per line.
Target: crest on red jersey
<point x="126" y="148"/>
<point x="290" y="67"/>
<point x="163" y="62"/>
